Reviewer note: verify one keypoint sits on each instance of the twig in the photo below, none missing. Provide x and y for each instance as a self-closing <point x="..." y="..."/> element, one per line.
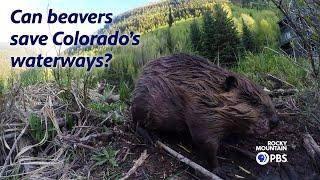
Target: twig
<point x="242" y="151"/>
<point x="137" y="164"/>
<point x="96" y="136"/>
<point x="278" y="80"/>
<point x="126" y="155"/>
<point x="188" y="162"/>
<point x="11" y="150"/>
<point x="282" y="92"/>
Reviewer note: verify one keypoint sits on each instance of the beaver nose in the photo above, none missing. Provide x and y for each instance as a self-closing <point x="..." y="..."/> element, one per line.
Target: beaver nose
<point x="274" y="121"/>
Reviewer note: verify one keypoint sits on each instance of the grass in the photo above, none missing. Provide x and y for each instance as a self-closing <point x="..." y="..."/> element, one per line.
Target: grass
<point x="124" y="92"/>
<point x="255" y="65"/>
<point x="40" y="130"/>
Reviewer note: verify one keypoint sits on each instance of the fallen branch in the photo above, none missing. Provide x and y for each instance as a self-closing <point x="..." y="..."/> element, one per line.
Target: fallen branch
<point x="12" y="149"/>
<point x="312" y="148"/>
<point x="279" y="81"/>
<point x="188" y="162"/>
<point x="242" y="151"/>
<point x="137" y="164"/>
<point x="282" y="92"/>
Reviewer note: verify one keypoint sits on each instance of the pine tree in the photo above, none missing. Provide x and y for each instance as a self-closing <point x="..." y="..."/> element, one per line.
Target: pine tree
<point x="224" y="38"/>
<point x="247" y="38"/>
<point x="195" y="36"/>
<point x="207" y="35"/>
<point x="170" y="18"/>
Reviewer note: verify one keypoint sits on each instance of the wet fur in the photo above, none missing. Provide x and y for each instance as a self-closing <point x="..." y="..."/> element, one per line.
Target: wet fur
<point x="185" y="93"/>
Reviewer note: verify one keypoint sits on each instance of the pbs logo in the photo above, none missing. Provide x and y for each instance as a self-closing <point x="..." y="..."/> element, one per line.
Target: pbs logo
<point x="262" y="158"/>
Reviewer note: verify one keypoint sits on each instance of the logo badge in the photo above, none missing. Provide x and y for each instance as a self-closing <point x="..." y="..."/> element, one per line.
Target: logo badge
<point x="262" y="158"/>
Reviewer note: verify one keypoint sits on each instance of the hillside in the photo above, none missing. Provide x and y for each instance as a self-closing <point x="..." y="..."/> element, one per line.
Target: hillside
<point x="147" y="18"/>
<point x="150" y="17"/>
<point x="127" y="61"/>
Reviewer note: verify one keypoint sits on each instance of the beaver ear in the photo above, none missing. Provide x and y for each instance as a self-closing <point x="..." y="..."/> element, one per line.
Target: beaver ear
<point x="230" y="83"/>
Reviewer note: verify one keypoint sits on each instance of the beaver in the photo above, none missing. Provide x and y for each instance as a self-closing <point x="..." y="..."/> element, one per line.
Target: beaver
<point x="188" y="94"/>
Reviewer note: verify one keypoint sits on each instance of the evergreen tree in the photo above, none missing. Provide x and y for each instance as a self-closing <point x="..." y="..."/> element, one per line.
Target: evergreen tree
<point x="223" y="38"/>
<point x="170" y="17"/>
<point x="207" y="35"/>
<point x="247" y="38"/>
<point x="169" y="41"/>
<point x="195" y="35"/>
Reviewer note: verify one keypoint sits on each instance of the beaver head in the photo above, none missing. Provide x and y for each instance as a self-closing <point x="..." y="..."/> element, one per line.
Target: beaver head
<point x="249" y="106"/>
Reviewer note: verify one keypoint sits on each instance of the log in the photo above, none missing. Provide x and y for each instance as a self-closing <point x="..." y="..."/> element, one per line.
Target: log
<point x="187" y="161"/>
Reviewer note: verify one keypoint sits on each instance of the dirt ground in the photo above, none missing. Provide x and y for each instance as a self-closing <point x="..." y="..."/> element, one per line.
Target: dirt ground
<point x="234" y="163"/>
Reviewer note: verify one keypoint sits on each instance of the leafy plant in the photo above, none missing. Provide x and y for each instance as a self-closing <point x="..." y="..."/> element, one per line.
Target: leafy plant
<point x="106" y="156"/>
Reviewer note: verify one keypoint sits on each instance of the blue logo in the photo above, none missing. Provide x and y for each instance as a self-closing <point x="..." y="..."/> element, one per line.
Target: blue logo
<point x="262" y="158"/>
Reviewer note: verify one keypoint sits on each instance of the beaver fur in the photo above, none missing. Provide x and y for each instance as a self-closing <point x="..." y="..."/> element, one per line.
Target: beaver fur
<point x="187" y="94"/>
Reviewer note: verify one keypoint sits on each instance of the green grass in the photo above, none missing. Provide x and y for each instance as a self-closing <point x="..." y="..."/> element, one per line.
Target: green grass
<point x="39" y="132"/>
<point x="255" y="65"/>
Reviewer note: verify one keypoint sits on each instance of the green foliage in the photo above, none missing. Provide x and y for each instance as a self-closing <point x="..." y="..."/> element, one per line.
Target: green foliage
<point x="195" y="35"/>
<point x="247" y="38"/>
<point x="106" y="157"/>
<point x="254" y="66"/>
<point x="40" y="131"/>
<point x="105" y="108"/>
<point x="124" y="92"/>
<point x="34" y="76"/>
<point x="256" y="20"/>
<point x="2" y="86"/>
<point x="220" y="38"/>
<point x="115" y="108"/>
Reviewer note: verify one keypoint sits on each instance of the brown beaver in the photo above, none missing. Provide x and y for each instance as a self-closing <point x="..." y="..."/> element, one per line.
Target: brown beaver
<point x="185" y="93"/>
